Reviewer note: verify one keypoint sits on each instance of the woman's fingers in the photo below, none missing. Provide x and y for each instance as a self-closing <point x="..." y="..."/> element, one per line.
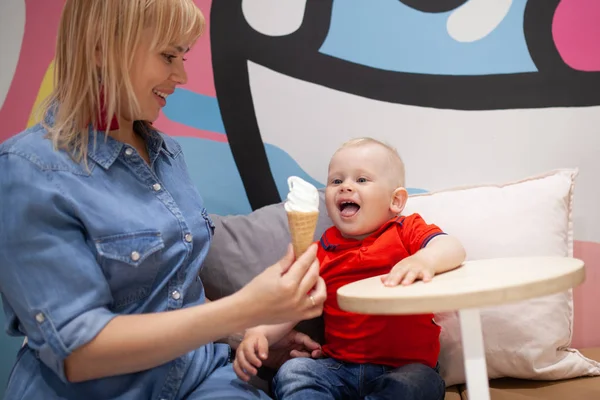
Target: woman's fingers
<point x="313" y="301"/>
<point x="309" y="280"/>
<point x="287" y="260"/>
<point x="297" y="270"/>
<point x="285" y="288"/>
<point x="319" y="292"/>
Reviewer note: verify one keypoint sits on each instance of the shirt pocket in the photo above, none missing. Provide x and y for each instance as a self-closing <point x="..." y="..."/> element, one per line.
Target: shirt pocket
<point x="130" y="263"/>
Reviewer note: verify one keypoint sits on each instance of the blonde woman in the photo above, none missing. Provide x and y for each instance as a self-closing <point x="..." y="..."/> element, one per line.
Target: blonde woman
<point x="103" y="234"/>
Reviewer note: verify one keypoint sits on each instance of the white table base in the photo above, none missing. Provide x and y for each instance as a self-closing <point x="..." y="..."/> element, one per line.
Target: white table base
<point x="474" y="354"/>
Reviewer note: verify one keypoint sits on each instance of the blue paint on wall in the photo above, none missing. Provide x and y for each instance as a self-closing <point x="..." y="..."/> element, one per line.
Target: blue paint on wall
<point x="389" y="35"/>
<point x="213" y="171"/>
<point x="195" y="110"/>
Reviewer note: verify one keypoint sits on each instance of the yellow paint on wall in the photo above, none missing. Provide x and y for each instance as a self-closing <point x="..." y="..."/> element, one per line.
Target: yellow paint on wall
<point x="45" y="89"/>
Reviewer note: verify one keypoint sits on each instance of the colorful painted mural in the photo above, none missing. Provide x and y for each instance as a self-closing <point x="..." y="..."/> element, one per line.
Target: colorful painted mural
<point x="469" y="91"/>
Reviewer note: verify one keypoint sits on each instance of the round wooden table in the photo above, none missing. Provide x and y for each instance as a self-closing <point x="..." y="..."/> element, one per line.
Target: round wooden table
<point x="473" y="285"/>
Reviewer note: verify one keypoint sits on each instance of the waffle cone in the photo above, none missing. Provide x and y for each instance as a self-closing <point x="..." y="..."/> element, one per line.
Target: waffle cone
<point x="302" y="229"/>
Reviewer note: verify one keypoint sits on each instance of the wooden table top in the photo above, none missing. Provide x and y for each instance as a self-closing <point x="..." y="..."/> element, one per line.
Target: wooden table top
<point x="474" y="284"/>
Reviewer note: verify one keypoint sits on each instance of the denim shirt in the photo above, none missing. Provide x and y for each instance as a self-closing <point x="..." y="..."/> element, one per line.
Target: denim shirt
<point x="80" y="245"/>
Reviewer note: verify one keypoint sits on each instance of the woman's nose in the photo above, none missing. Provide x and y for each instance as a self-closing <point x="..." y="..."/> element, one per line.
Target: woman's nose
<point x="179" y="75"/>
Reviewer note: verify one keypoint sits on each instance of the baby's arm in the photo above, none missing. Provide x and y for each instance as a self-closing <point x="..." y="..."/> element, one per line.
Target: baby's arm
<point x="442" y="253"/>
<point x="254" y="348"/>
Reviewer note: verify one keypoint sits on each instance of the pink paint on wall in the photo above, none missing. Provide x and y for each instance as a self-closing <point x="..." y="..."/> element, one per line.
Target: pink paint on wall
<point x="199" y="60"/>
<point x="167" y="126"/>
<point x="586" y="332"/>
<point x="576" y="29"/>
<point x="37" y="52"/>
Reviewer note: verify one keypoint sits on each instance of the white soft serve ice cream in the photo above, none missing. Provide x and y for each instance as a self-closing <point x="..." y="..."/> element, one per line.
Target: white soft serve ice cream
<point x="302" y="197"/>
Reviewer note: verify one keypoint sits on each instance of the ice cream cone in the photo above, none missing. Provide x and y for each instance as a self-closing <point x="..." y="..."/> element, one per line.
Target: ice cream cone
<point x="302" y="229"/>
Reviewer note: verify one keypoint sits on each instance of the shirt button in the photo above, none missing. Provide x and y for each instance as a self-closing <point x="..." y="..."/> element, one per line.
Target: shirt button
<point x="188" y="237"/>
<point x="39" y="317"/>
<point x="363" y="249"/>
<point x="135" y="255"/>
<point x="176" y="295"/>
<point x="128" y="151"/>
<point x="156" y="187"/>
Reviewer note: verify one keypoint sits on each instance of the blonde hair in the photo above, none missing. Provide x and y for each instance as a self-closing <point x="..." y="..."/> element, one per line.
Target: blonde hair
<point x="114" y="27"/>
<point x="397" y="172"/>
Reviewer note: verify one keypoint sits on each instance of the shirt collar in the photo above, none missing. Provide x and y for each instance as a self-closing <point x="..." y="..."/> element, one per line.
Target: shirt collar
<point x="104" y="150"/>
<point x="157" y="141"/>
<point x="333" y="240"/>
<point x="171" y="147"/>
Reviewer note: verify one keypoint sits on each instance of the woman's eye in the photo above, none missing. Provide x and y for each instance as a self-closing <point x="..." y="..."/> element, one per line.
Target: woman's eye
<point x="168" y="57"/>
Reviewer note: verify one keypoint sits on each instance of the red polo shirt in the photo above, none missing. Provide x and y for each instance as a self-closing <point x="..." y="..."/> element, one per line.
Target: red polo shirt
<point x="378" y="339"/>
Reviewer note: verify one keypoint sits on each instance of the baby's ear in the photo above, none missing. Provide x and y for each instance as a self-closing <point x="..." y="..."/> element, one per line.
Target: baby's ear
<point x="399" y="198"/>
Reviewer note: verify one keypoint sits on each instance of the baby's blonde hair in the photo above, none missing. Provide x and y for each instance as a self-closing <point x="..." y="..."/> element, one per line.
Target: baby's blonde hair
<point x="397" y="172"/>
<point x="115" y="28"/>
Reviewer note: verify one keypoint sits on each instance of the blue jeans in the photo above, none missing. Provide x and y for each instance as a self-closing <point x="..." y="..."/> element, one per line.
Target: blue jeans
<point x="327" y="378"/>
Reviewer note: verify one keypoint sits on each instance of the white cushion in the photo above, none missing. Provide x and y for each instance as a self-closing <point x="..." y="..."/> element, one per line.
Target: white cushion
<point x="532" y="217"/>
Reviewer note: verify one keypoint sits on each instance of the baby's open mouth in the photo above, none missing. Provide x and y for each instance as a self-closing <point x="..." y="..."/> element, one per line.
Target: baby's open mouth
<point x="348" y="208"/>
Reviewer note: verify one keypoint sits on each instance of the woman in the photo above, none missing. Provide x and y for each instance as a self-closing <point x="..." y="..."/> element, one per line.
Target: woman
<point x="103" y="231"/>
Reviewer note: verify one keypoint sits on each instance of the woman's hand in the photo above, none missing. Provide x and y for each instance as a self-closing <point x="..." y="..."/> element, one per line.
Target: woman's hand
<point x="287" y="290"/>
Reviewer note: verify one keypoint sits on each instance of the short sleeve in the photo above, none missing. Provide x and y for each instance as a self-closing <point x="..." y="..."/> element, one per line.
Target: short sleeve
<point x="415" y="233"/>
<point x="55" y="289"/>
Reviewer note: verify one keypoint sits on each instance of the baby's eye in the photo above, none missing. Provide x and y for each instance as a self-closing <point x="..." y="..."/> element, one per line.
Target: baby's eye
<point x="361" y="180"/>
<point x="336" y="181"/>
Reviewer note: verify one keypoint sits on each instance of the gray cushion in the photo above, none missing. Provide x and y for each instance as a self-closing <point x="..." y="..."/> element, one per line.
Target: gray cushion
<point x="244" y="245"/>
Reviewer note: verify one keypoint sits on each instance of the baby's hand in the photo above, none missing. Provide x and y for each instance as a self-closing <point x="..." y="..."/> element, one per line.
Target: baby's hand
<point x="407" y="271"/>
<point x="250" y="355"/>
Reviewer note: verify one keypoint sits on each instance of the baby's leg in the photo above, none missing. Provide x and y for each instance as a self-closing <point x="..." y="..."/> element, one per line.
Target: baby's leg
<point x="409" y="382"/>
<point x="316" y="379"/>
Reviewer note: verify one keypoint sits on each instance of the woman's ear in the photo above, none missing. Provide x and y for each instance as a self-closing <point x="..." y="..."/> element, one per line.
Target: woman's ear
<point x="399" y="198"/>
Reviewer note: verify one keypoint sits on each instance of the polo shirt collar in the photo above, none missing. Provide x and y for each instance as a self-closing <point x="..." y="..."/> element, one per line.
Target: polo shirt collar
<point x="333" y="240"/>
